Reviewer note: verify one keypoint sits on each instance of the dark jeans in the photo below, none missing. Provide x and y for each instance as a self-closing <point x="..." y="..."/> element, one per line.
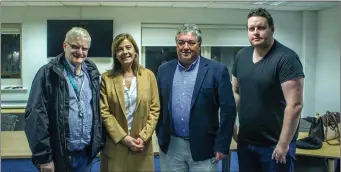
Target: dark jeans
<point x="79" y="162"/>
<point x="253" y="158"/>
<point x="337" y="166"/>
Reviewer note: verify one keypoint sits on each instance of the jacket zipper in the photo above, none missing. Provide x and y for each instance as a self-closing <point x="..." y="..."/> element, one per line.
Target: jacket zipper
<point x="94" y="109"/>
<point x="65" y="146"/>
<point x="63" y="115"/>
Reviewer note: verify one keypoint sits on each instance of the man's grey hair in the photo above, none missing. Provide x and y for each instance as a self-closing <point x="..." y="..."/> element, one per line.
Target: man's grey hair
<point x="77" y="32"/>
<point x="189" y="28"/>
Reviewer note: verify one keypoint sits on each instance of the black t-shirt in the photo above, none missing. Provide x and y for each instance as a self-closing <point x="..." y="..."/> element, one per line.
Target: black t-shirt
<point x="262" y="103"/>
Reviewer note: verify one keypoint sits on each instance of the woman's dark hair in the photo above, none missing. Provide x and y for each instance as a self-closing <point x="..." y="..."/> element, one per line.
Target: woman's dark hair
<point x="117" y="67"/>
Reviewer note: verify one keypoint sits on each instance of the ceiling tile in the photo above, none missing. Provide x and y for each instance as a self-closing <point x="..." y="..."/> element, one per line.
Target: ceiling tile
<point x="276" y="3"/>
<point x="31" y="0"/>
<point x="191" y="4"/>
<point x="312" y="4"/>
<point x="261" y="2"/>
<point x="235" y="2"/>
<point x="203" y="1"/>
<point x="289" y="8"/>
<point x="239" y="6"/>
<point x="12" y="4"/>
<point x="225" y="5"/>
<point x="44" y="3"/>
<point x="260" y="6"/>
<point x="155" y="4"/>
<point x="313" y="8"/>
<point x="125" y="4"/>
<point x="78" y="3"/>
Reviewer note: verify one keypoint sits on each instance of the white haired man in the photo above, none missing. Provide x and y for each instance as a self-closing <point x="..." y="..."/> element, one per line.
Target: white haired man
<point x="63" y="122"/>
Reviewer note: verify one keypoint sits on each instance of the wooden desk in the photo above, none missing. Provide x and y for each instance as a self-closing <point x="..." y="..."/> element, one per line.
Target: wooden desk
<point x="14" y="145"/>
<point x="330" y="152"/>
<point x="327" y="151"/>
<point x="14" y="111"/>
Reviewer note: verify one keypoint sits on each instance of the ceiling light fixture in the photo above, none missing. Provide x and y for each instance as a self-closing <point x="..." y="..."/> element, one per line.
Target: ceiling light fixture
<point x="259" y="2"/>
<point x="277" y="3"/>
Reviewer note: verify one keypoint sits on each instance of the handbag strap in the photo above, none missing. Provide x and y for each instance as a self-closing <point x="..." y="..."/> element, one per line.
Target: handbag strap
<point x="330" y="118"/>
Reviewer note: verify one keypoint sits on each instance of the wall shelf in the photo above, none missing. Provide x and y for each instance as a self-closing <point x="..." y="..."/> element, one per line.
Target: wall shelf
<point x="19" y="90"/>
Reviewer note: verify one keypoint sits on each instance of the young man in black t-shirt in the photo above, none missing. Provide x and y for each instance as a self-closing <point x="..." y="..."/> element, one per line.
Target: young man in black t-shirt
<point x="268" y="86"/>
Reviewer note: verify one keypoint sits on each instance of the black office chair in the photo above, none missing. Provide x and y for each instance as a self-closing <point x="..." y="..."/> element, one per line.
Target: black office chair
<point x="8" y="122"/>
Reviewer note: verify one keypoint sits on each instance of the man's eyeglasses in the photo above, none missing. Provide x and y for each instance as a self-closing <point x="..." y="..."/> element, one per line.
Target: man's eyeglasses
<point x="76" y="47"/>
<point x="189" y="43"/>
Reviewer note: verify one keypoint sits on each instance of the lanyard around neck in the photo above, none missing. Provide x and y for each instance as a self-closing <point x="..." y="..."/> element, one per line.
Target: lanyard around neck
<point x="72" y="81"/>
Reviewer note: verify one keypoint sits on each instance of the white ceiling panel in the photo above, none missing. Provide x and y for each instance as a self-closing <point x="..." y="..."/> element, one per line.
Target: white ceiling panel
<point x="124" y="4"/>
<point x="71" y="0"/>
<point x="156" y="1"/>
<point x="312" y="8"/>
<point x="176" y="0"/>
<point x="260" y="2"/>
<point x="31" y="0"/>
<point x="312" y="4"/>
<point x="239" y="6"/>
<point x="258" y="6"/>
<point x="44" y="3"/>
<point x="225" y="5"/>
<point x="275" y="3"/>
<point x="234" y="2"/>
<point x="191" y="4"/>
<point x="153" y="4"/>
<point x="13" y="4"/>
<point x="80" y="3"/>
<point x="288" y="8"/>
<point x="289" y="5"/>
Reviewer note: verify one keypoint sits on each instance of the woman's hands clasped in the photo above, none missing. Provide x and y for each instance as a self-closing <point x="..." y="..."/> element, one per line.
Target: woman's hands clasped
<point x="134" y="144"/>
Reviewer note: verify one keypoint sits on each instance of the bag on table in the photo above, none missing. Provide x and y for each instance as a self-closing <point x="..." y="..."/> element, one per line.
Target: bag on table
<point x="326" y="127"/>
<point x="331" y="127"/>
<point x="315" y="137"/>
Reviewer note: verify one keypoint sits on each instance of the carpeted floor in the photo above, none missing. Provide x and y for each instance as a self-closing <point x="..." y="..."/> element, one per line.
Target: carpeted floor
<point x="303" y="164"/>
<point x="25" y="165"/>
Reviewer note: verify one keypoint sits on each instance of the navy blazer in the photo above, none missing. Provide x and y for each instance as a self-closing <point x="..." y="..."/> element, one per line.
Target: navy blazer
<point x="212" y="90"/>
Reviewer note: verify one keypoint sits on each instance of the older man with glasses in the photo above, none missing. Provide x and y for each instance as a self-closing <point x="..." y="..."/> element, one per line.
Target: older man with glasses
<point x="63" y="122"/>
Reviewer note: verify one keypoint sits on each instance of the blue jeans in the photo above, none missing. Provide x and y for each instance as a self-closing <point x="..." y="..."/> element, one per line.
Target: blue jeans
<point x="253" y="158"/>
<point x="79" y="162"/>
<point x="337" y="166"/>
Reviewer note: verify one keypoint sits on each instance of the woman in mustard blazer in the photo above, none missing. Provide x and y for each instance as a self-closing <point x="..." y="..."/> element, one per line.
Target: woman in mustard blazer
<point x="130" y="109"/>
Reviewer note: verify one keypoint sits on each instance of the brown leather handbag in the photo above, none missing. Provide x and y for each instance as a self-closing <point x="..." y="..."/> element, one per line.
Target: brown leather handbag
<point x="331" y="127"/>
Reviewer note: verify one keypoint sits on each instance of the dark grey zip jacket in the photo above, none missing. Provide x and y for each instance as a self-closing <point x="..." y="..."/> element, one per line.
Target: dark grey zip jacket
<point x="47" y="112"/>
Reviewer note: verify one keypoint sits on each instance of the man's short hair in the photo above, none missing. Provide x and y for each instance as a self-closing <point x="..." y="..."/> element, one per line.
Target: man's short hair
<point x="77" y="32"/>
<point x="189" y="28"/>
<point x="262" y="12"/>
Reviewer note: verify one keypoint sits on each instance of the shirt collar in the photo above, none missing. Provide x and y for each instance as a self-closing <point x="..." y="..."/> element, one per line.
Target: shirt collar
<point x="73" y="69"/>
<point x="191" y="67"/>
